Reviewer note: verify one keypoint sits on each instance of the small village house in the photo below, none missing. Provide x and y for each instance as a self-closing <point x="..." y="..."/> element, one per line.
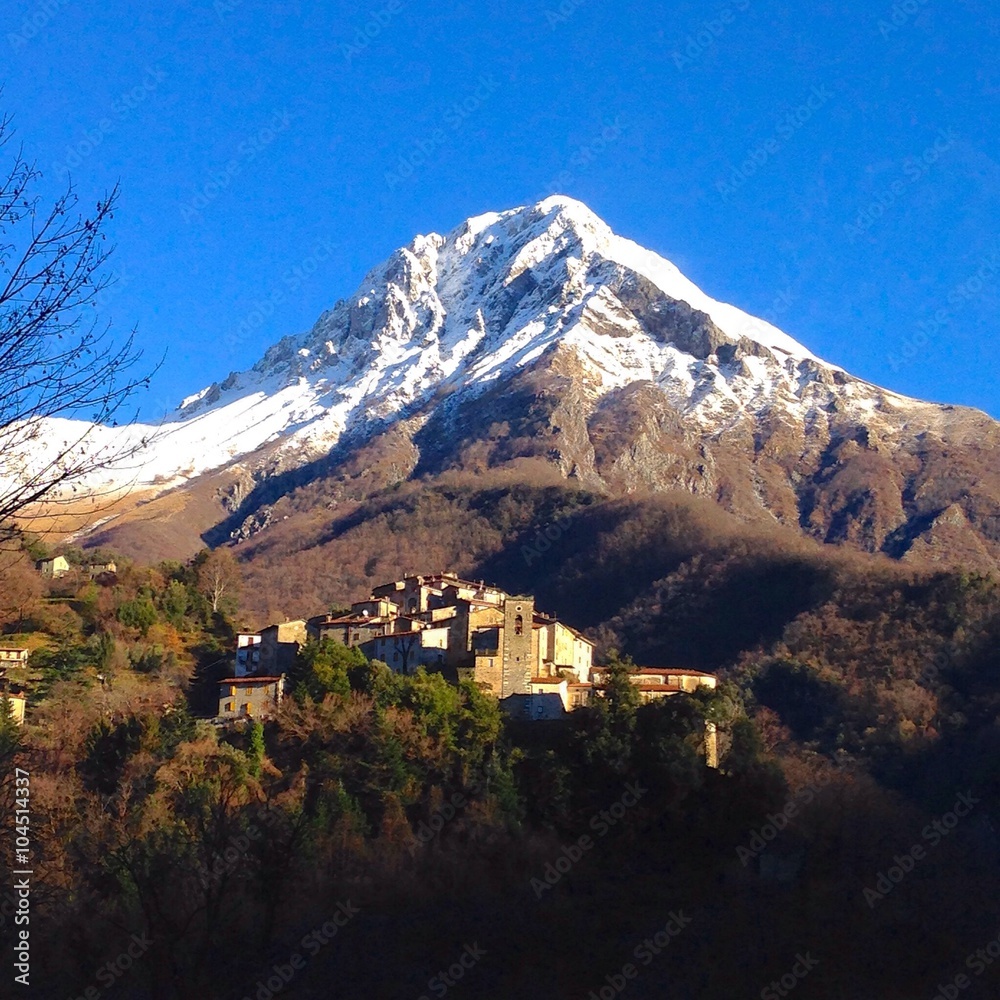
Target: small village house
<point x="18" y="702"/>
<point x="12" y="656"/>
<point x="53" y="568"/>
<point x="95" y="570"/>
<point x="660" y="682"/>
<point x="254" y="697"/>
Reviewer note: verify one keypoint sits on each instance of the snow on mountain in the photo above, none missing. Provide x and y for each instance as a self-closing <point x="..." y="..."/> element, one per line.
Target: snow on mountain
<point x="459" y="312"/>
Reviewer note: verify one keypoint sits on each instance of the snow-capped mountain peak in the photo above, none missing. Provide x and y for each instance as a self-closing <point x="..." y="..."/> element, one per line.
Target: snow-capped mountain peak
<point x="460" y="311"/>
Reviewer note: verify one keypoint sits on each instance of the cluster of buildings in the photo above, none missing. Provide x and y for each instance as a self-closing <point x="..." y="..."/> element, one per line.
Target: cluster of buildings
<point x="537" y="666"/>
<point x="58" y="566"/>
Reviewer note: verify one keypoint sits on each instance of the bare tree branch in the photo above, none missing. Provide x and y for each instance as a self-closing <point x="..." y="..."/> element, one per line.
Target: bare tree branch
<point x="56" y="358"/>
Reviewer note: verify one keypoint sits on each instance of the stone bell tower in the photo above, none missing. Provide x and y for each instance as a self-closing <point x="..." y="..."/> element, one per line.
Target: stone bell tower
<point x="518" y="616"/>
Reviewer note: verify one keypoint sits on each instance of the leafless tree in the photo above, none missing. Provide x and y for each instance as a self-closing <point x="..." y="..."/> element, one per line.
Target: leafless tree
<point x="20" y="589"/>
<point x="56" y="357"/>
<point x="220" y="579"/>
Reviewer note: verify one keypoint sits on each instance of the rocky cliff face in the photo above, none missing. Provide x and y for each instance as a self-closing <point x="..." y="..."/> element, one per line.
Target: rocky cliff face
<point x="538" y="339"/>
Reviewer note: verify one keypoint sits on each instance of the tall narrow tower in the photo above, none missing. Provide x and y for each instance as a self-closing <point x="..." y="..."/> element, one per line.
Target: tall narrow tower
<point x="518" y="616"/>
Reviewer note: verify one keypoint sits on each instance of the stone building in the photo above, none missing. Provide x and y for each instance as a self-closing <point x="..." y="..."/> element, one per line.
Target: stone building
<point x="423" y="645"/>
<point x="661" y="682"/>
<point x="280" y="644"/>
<point x="353" y="629"/>
<point x="95" y="570"/>
<point x="254" y="697"/>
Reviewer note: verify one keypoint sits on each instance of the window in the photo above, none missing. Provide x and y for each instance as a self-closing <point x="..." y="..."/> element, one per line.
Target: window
<point x="229" y="706"/>
<point x="232" y="690"/>
<point x="519" y="625"/>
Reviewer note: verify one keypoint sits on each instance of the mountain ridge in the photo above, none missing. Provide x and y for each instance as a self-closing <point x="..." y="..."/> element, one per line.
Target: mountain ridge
<point x="538" y="335"/>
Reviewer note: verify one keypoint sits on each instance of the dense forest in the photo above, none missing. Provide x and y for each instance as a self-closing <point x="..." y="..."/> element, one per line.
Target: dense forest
<point x="389" y="836"/>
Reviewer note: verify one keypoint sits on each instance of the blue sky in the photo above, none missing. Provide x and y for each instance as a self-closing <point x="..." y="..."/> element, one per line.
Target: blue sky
<point x="833" y="167"/>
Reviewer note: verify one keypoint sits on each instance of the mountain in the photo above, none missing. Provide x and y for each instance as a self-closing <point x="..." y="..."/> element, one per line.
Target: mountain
<point x="536" y="346"/>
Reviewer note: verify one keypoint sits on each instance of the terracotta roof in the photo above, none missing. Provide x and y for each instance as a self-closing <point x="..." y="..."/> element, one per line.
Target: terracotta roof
<point x="580" y="684"/>
<point x="249" y="679"/>
<point x="579" y="634"/>
<point x="678" y="671"/>
<point x="649" y="687"/>
<point x="546" y="680"/>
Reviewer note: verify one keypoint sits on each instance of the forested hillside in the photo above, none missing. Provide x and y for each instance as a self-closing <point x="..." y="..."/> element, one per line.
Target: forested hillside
<point x="412" y="822"/>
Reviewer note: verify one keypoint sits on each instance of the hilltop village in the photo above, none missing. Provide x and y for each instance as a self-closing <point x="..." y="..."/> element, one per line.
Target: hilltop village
<point x="536" y="665"/>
